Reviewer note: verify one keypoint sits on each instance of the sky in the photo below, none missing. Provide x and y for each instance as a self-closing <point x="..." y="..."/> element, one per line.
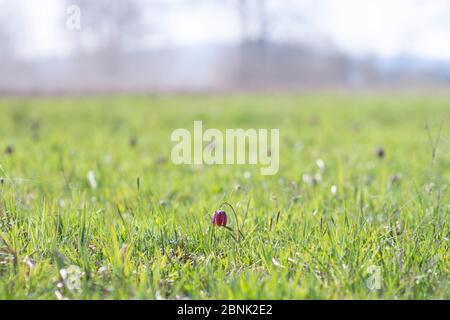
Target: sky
<point x="385" y="28"/>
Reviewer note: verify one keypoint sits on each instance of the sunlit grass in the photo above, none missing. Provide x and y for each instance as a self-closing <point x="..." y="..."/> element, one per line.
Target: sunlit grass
<point x="92" y="207"/>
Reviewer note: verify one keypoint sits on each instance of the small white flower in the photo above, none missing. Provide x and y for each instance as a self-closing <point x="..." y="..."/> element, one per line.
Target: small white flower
<point x="276" y="263"/>
<point x="247" y="174"/>
<point x="102" y="270"/>
<point x="63" y="274"/>
<point x="320" y="164"/>
<point x="334" y="189"/>
<point x="308" y="179"/>
<point x="92" y="180"/>
<point x="71" y="277"/>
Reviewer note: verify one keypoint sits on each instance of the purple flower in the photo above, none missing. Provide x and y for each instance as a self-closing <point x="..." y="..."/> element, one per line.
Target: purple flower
<point x="380" y="153"/>
<point x="219" y="218"/>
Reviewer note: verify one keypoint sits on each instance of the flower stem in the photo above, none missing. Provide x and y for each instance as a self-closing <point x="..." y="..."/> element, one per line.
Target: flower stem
<point x="239" y="233"/>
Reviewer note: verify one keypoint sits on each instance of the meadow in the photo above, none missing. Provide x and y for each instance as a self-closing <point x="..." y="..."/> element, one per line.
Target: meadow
<point x="91" y="206"/>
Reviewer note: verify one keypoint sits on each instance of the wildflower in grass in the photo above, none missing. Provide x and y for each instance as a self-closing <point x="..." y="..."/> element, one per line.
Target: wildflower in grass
<point x="380" y="153"/>
<point x="296" y="199"/>
<point x="398" y="228"/>
<point x="133" y="141"/>
<point x="312" y="180"/>
<point x="308" y="179"/>
<point x="395" y="179"/>
<point x="92" y="247"/>
<point x="29" y="262"/>
<point x="220" y="218"/>
<point x="333" y="190"/>
<point x="160" y="160"/>
<point x="276" y="263"/>
<point x="102" y="270"/>
<point x="35" y="124"/>
<point x="92" y="179"/>
<point x="72" y="277"/>
<point x="9" y="150"/>
<point x="320" y="164"/>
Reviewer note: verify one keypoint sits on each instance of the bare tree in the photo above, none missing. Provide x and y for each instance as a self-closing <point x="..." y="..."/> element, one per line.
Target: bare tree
<point x="263" y="21"/>
<point x="109" y="28"/>
<point x="253" y="16"/>
<point x="254" y="20"/>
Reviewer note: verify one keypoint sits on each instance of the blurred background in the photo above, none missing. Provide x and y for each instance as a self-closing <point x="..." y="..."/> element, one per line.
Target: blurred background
<point x="222" y="45"/>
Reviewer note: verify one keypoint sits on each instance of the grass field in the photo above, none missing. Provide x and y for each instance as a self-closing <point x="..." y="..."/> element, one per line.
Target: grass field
<point x="140" y="226"/>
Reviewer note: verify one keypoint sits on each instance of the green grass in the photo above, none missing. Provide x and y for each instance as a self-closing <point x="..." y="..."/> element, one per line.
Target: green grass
<point x="154" y="239"/>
